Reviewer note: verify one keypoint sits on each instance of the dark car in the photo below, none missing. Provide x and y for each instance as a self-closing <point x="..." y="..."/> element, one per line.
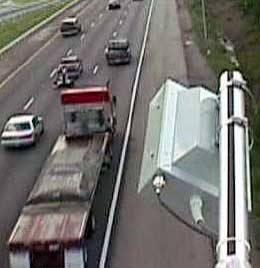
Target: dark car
<point x="117" y="51"/>
<point x="73" y="66"/>
<point x="114" y="4"/>
<point x="70" y="26"/>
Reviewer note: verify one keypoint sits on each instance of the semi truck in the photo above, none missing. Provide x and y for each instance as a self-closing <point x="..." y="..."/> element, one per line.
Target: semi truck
<point x="57" y="218"/>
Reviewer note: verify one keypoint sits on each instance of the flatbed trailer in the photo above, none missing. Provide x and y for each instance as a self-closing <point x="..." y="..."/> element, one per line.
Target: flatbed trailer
<point x="57" y="219"/>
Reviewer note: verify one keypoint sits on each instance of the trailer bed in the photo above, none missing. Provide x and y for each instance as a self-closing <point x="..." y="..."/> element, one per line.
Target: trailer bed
<point x="58" y="207"/>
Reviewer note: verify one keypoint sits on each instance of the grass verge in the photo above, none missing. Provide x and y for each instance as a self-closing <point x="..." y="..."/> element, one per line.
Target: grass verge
<point x="12" y="29"/>
<point x="24" y="2"/>
<point x="248" y="55"/>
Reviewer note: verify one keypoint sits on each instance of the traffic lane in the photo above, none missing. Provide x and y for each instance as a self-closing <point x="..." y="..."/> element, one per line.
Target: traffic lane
<point x="122" y="87"/>
<point x="13" y="163"/>
<point x="144" y="233"/>
<point x="121" y="78"/>
<point x="42" y="105"/>
<point x="121" y="83"/>
<point x="19" y="173"/>
<point x="92" y="48"/>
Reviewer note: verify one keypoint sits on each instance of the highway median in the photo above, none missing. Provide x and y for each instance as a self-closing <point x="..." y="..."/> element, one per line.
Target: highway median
<point x="12" y="29"/>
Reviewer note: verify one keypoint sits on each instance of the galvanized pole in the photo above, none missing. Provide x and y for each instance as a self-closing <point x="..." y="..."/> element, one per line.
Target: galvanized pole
<point x="204" y="19"/>
<point x="233" y="247"/>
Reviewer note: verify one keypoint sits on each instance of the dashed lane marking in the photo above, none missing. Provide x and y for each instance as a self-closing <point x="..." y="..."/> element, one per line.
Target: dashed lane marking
<point x="95" y="70"/>
<point x="54" y="71"/>
<point x="28" y="103"/>
<point x="69" y="52"/>
<point x="82" y="37"/>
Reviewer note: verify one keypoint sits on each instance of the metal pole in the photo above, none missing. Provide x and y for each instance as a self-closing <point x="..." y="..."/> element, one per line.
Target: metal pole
<point x="233" y="248"/>
<point x="204" y="19"/>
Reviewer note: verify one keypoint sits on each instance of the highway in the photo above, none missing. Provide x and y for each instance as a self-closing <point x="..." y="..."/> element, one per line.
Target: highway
<point x="143" y="235"/>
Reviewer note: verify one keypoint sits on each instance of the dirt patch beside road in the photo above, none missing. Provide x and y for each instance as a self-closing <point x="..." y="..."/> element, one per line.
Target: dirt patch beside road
<point x="199" y="73"/>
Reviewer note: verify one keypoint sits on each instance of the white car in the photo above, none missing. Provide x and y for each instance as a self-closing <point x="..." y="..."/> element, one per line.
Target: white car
<point x="22" y="130"/>
<point x="70" y="26"/>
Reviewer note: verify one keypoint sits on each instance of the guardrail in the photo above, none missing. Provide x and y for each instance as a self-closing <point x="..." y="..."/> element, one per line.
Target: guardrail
<point x="36" y="28"/>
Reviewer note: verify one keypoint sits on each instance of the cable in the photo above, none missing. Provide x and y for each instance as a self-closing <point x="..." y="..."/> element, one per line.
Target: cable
<point x="205" y="232"/>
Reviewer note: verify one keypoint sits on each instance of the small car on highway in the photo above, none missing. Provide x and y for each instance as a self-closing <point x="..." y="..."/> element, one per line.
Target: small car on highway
<point x="70" y="26"/>
<point x="62" y="78"/>
<point x="118" y="51"/>
<point x="73" y="64"/>
<point x="113" y="4"/>
<point x="22" y="130"/>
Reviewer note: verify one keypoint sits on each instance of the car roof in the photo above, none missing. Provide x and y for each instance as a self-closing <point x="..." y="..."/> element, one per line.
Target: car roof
<point x="20" y="118"/>
<point x="70" y="58"/>
<point x="118" y="42"/>
<point x="70" y="19"/>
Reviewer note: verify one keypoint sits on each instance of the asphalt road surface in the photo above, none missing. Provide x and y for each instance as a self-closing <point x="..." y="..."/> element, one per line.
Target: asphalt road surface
<point x="144" y="235"/>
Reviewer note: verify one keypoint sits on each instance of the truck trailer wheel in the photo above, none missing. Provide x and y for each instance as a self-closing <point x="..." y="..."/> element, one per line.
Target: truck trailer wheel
<point x="93" y="223"/>
<point x="107" y="163"/>
<point x="91" y="226"/>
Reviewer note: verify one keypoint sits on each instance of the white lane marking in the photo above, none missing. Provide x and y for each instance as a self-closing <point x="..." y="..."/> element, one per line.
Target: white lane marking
<point x="12" y="75"/>
<point x="95" y="69"/>
<point x="82" y="37"/>
<point x="54" y="71"/>
<point x="100" y="15"/>
<point x="120" y="22"/>
<point x="114" y="34"/>
<point x="69" y="52"/>
<point x="92" y="24"/>
<point x="28" y="103"/>
<point x="104" y="252"/>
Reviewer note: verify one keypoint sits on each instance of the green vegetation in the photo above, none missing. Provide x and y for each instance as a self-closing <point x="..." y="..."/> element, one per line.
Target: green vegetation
<point x="248" y="54"/>
<point x="218" y="57"/>
<point x="23" y="2"/>
<point x="251" y="7"/>
<point x="12" y="29"/>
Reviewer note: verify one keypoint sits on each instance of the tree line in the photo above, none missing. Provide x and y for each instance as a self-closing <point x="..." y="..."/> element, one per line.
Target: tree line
<point x="252" y="7"/>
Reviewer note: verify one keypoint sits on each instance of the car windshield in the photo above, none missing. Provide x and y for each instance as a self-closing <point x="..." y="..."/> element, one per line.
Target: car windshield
<point x="69" y="60"/>
<point x="90" y="121"/>
<point x="18" y="126"/>
<point x="68" y="23"/>
<point x="118" y="45"/>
